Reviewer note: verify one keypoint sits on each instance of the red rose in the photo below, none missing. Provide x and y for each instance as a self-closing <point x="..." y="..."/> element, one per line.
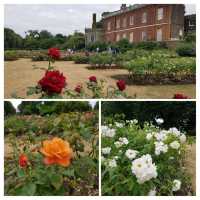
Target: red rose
<point x="54" y="53"/>
<point x="53" y="82"/>
<point x="93" y="79"/>
<point x="121" y="85"/>
<point x="78" y="88"/>
<point x="23" y="160"/>
<point x="180" y="96"/>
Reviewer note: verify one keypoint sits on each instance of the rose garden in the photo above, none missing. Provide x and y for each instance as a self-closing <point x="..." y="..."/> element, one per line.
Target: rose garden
<point x="143" y="70"/>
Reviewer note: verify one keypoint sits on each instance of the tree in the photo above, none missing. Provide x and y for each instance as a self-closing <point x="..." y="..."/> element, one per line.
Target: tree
<point x="12" y="40"/>
<point x="9" y="108"/>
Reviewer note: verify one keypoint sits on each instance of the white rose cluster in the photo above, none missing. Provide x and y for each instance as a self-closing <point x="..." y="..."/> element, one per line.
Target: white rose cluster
<point x="160" y="147"/>
<point x="107" y="132"/>
<point x="106" y="150"/>
<point x="122" y="141"/>
<point x="119" y="125"/>
<point x="144" y="169"/>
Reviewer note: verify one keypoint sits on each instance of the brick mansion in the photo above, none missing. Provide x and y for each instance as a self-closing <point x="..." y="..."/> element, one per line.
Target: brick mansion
<point x="140" y="22"/>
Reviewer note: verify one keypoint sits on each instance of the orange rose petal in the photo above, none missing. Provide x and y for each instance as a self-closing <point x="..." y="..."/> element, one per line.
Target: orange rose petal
<point x="64" y="162"/>
<point x="49" y="161"/>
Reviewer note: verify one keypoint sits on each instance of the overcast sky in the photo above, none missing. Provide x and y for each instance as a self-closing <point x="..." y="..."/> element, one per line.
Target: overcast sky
<point x="63" y="19"/>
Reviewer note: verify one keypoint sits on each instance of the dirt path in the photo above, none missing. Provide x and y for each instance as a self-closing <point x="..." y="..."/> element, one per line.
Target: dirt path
<point x="190" y="164"/>
<point x="20" y="74"/>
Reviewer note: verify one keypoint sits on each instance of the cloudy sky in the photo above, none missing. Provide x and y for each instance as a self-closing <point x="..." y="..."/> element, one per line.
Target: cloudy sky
<point x="63" y="19"/>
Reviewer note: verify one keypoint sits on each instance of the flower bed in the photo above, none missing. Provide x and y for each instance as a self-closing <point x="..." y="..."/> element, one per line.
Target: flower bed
<point x="143" y="161"/>
<point x="53" y="155"/>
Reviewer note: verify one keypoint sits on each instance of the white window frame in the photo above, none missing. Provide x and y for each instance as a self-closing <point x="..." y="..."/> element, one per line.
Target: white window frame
<point x="144" y="17"/>
<point x="161" y="36"/>
<point x="160" y="14"/>
<point x="131" y="20"/>
<point x="109" y="26"/>
<point x="124" y="36"/>
<point x="131" y="37"/>
<point x="118" y="37"/>
<point x="144" y="36"/>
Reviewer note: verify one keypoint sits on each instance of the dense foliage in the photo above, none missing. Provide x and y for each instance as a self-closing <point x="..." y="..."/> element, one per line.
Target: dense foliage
<point x="49" y="107"/>
<point x="8" y="108"/>
<point x="43" y="39"/>
<point x="144" y="161"/>
<point x="72" y="167"/>
<point x="179" y="114"/>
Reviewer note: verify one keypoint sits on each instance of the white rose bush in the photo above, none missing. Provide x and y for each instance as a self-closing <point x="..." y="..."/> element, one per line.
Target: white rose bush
<point x="145" y="161"/>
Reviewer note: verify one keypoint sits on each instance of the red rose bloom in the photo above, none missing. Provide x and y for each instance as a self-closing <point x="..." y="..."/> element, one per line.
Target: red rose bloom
<point x="180" y="96"/>
<point x="121" y="85"/>
<point x="23" y="160"/>
<point x="54" y="53"/>
<point x="78" y="88"/>
<point x="53" y="82"/>
<point x="93" y="79"/>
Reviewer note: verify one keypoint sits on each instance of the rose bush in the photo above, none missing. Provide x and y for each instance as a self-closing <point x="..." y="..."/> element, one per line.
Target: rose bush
<point x="143" y="161"/>
<point x="53" y="85"/>
<point x="55" y="155"/>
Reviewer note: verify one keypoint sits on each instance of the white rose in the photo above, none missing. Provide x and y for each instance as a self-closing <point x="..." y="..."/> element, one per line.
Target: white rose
<point x="112" y="163"/>
<point x="118" y="144"/>
<point x="131" y="154"/>
<point x="149" y="136"/>
<point x="176" y="185"/>
<point x="159" y="121"/>
<point x="124" y="140"/>
<point x="106" y="150"/>
<point x="175" y="145"/>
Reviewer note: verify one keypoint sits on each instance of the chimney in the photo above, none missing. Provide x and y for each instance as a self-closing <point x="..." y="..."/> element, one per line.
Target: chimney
<point x="123" y="7"/>
<point x="94" y="20"/>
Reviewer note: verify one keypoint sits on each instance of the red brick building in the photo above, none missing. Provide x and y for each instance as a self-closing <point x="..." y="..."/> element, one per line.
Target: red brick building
<point x="144" y="22"/>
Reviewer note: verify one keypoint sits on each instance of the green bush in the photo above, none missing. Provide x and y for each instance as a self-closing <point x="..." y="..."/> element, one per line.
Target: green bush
<point x="9" y="108"/>
<point x="67" y="58"/>
<point x="147" y="45"/>
<point x="123" y="45"/>
<point x="40" y="57"/>
<point x="15" y="125"/>
<point x="190" y="37"/>
<point x="80" y="59"/>
<point x="101" y="60"/>
<point x="10" y="55"/>
<point x="186" y="49"/>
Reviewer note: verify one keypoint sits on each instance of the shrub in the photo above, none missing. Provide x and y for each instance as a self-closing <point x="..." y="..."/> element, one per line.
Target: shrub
<point x="186" y="49"/>
<point x="101" y="59"/>
<point x="67" y="58"/>
<point x="143" y="161"/>
<point x="190" y="37"/>
<point x="124" y="45"/>
<point x="40" y="57"/>
<point x="80" y="59"/>
<point x="10" y="55"/>
<point x="147" y="45"/>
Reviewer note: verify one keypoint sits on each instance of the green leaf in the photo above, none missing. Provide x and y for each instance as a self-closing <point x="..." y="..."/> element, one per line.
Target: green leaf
<point x="21" y="173"/>
<point x="69" y="172"/>
<point x="56" y="181"/>
<point x="27" y="190"/>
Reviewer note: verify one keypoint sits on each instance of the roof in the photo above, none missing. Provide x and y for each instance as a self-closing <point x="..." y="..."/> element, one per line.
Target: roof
<point x="127" y="9"/>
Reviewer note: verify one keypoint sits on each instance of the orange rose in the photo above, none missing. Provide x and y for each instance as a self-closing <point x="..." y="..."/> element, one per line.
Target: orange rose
<point x="56" y="151"/>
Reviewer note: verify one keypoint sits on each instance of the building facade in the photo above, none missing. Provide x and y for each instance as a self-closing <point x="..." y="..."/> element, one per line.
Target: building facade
<point x="144" y="22"/>
<point x="93" y="34"/>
